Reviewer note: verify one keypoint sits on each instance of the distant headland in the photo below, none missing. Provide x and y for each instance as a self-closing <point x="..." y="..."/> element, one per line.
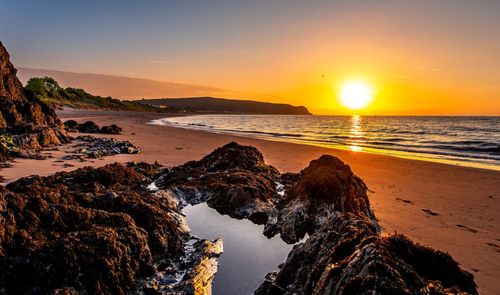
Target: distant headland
<point x="224" y="105"/>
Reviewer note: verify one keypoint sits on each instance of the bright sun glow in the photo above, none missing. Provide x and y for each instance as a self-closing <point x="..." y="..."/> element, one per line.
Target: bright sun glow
<point x="356" y="95"/>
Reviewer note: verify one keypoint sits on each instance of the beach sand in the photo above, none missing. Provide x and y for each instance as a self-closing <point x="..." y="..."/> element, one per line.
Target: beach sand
<point x="451" y="208"/>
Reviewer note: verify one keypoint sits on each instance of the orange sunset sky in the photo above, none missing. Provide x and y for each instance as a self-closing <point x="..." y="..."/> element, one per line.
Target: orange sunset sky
<point x="419" y="57"/>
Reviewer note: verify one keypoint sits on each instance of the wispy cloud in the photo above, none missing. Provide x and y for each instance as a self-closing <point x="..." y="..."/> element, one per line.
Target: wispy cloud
<point x="159" y="61"/>
<point x="114" y="72"/>
<point x="231" y="51"/>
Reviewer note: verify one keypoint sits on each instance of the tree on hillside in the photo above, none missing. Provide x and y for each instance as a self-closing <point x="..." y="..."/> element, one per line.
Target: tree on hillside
<point x="44" y="87"/>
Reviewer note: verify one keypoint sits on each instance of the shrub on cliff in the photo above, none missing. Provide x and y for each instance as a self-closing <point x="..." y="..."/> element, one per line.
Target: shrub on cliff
<point x="49" y="90"/>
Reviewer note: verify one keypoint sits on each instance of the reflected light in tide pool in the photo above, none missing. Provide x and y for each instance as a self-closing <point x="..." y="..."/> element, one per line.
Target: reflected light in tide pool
<point x="355" y="133"/>
<point x="248" y="254"/>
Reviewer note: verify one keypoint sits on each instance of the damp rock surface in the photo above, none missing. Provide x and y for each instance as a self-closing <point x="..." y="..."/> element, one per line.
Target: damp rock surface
<point x="347" y="256"/>
<point x="92" y="230"/>
<point x="233" y="179"/>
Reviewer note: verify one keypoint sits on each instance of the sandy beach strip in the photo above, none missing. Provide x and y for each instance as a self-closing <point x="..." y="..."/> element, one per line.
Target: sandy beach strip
<point x="451" y="208"/>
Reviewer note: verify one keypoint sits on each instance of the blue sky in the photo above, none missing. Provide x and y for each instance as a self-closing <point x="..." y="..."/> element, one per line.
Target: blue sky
<point x="261" y="47"/>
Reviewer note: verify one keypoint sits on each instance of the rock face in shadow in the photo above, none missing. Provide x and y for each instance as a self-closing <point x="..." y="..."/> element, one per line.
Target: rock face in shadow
<point x="347" y="256"/>
<point x="327" y="185"/>
<point x="32" y="123"/>
<point x="92" y="230"/>
<point x="233" y="179"/>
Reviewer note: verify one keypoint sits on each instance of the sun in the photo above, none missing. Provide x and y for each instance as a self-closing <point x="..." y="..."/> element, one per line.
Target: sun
<point x="356" y="95"/>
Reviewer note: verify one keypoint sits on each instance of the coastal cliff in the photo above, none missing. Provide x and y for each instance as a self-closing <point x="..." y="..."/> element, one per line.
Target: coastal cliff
<point x="30" y="122"/>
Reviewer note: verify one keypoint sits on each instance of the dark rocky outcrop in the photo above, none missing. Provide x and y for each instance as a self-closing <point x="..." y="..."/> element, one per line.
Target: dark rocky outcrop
<point x="91" y="127"/>
<point x="347" y="256"/>
<point x="344" y="253"/>
<point x="96" y="231"/>
<point x="327" y="185"/>
<point x="32" y="123"/>
<point x="109" y="230"/>
<point x="233" y="179"/>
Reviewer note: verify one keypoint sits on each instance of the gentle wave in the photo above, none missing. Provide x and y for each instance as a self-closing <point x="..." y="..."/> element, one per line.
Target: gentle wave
<point x="472" y="141"/>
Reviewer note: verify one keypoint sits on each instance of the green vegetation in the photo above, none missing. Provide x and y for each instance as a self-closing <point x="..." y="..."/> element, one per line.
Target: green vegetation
<point x="7" y="142"/>
<point x="6" y="146"/>
<point x="49" y="91"/>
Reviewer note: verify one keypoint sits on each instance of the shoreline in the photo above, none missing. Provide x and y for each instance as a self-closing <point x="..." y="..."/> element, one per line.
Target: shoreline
<point x="466" y="199"/>
<point x="427" y="157"/>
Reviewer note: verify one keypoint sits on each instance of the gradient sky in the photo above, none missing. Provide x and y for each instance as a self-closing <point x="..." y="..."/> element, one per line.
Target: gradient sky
<point x="421" y="57"/>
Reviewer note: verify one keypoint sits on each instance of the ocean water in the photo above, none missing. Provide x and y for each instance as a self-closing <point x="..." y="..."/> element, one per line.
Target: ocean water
<point x="466" y="141"/>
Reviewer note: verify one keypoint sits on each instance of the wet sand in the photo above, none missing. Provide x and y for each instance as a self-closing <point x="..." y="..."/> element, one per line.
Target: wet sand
<point x="451" y="208"/>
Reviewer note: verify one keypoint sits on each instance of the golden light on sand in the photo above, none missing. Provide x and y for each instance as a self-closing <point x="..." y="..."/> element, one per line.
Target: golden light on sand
<point x="356" y="95"/>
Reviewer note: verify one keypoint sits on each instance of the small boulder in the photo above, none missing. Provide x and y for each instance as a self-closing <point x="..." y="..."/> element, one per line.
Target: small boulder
<point x="71" y="124"/>
<point x="89" y="127"/>
<point x="111" y="129"/>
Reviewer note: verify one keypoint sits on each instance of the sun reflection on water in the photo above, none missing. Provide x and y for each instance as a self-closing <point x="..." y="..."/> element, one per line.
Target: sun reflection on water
<point x="355" y="148"/>
<point x="355" y="134"/>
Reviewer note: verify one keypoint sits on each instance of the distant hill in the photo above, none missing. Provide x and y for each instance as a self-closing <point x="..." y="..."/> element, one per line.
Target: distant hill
<point x="120" y="87"/>
<point x="48" y="90"/>
<point x="223" y="105"/>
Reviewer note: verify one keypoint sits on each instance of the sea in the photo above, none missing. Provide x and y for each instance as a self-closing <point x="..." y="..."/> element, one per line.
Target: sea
<point x="464" y="141"/>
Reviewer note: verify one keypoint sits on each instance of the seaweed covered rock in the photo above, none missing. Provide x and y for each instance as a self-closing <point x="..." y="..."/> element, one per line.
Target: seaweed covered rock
<point x="347" y="256"/>
<point x="94" y="147"/>
<point x="233" y="179"/>
<point x="327" y="185"/>
<point x="91" y="230"/>
<point x="32" y="123"/>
